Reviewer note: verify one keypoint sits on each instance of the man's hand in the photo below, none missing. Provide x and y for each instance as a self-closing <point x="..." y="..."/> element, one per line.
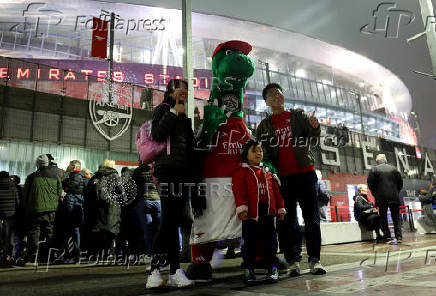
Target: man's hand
<point x="313" y="120"/>
<point x="281" y="216"/>
<point x="243" y="215"/>
<point x="180" y="107"/>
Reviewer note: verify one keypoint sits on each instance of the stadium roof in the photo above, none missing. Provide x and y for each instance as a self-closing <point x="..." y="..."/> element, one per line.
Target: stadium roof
<point x="328" y="31"/>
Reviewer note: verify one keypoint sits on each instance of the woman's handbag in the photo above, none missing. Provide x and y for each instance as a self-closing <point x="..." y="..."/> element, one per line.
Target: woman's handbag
<point x="149" y="149"/>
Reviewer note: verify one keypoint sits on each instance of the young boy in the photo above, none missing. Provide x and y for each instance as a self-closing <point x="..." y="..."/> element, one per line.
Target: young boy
<point x="258" y="201"/>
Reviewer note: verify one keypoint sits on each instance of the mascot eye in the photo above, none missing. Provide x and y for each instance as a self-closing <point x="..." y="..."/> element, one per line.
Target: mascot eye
<point x="229" y="52"/>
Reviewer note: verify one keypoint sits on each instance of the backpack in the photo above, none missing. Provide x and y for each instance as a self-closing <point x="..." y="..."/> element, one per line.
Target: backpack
<point x="149" y="149"/>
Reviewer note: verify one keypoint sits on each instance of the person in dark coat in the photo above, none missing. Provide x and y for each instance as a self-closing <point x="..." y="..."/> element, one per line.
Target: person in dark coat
<point x="385" y="183"/>
<point x="102" y="208"/>
<point x="41" y="194"/>
<point x="323" y="197"/>
<point x="173" y="170"/>
<point x="148" y="209"/>
<point x="72" y="206"/>
<point x="19" y="218"/>
<point x="9" y="203"/>
<point x="426" y="199"/>
<point x="365" y="212"/>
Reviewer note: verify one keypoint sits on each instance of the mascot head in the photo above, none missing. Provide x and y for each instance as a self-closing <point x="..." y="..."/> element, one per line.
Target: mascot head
<point x="231" y="68"/>
<point x="231" y="65"/>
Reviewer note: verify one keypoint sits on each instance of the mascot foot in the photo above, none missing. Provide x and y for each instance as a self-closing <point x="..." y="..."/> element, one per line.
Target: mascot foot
<point x="199" y="272"/>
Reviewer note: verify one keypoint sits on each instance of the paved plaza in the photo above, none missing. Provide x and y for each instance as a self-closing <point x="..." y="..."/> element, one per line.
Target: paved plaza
<point x="353" y="269"/>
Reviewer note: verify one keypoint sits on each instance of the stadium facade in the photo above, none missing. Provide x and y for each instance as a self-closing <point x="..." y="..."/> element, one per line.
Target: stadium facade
<point x="51" y="90"/>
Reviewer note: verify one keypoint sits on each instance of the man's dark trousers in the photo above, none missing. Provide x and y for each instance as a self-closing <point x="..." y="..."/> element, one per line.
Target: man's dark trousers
<point x="40" y="228"/>
<point x="395" y="214"/>
<point x="301" y="188"/>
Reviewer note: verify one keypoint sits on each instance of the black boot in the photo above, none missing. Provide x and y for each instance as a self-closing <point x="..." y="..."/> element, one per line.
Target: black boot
<point x="199" y="272"/>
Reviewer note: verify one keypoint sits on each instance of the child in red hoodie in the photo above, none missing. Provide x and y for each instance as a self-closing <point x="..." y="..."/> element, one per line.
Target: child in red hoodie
<point x="258" y="201"/>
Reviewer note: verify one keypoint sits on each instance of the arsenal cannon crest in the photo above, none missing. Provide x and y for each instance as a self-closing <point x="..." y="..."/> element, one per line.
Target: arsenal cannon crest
<point x="110" y="119"/>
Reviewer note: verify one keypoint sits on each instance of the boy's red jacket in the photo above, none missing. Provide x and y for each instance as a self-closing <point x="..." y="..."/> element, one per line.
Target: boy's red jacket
<point x="246" y="191"/>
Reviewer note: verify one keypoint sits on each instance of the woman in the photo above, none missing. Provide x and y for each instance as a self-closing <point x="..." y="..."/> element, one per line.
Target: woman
<point x="173" y="170"/>
<point x="426" y="199"/>
<point x="365" y="213"/>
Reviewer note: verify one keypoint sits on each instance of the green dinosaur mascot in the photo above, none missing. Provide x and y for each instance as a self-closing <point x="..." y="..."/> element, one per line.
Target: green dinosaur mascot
<point x="223" y="133"/>
<point x="231" y="68"/>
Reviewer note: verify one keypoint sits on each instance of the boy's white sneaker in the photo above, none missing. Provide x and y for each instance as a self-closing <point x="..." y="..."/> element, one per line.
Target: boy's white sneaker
<point x="154" y="280"/>
<point x="179" y="280"/>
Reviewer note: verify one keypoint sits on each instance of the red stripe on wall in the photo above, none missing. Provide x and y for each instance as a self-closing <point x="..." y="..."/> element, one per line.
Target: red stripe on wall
<point x="128" y="163"/>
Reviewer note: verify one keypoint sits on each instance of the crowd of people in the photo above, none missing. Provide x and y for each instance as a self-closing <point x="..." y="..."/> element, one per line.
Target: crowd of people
<point x="62" y="216"/>
<point x="73" y="211"/>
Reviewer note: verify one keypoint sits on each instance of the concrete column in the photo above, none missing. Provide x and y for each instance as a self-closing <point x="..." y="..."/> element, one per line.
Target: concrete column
<point x="188" y="75"/>
<point x="188" y="67"/>
<point x="429" y="21"/>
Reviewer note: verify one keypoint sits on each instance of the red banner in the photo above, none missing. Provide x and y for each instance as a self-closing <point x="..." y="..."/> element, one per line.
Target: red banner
<point x="99" y="38"/>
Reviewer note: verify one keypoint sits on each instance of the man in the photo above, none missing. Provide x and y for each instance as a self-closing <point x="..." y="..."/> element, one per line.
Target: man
<point x="286" y="137"/>
<point x="18" y="217"/>
<point x="8" y="205"/>
<point x="385" y="183"/>
<point x="323" y="196"/>
<point x="41" y="193"/>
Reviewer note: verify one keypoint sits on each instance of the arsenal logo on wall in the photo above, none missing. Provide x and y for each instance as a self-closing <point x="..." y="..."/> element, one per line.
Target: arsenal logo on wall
<point x="111" y="116"/>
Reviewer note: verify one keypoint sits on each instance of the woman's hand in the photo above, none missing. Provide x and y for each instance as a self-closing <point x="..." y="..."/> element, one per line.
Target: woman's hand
<point x="180" y="107"/>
